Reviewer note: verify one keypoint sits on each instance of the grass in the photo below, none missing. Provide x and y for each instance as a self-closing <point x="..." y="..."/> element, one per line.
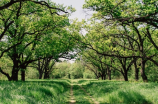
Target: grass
<point x="116" y="92"/>
<point x="34" y="92"/>
<point x="58" y="91"/>
<point x="80" y="96"/>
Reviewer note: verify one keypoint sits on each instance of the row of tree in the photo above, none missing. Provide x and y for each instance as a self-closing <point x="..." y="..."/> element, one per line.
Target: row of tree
<point x="33" y="31"/>
<point x="121" y="36"/>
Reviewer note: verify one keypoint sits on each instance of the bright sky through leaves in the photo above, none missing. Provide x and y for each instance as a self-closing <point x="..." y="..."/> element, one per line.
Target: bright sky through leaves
<point x="77" y="4"/>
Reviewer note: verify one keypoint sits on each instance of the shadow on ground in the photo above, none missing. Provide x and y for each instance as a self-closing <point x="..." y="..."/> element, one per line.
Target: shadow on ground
<point x="129" y="97"/>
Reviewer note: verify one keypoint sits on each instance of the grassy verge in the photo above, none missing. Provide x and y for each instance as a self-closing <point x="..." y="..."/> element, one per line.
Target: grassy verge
<point x="34" y="92"/>
<point x="123" y="92"/>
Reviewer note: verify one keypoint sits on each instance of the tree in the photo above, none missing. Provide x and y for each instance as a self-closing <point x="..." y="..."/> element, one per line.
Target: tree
<point x="124" y="43"/>
<point x="62" y="70"/>
<point x="7" y="3"/>
<point x="99" y="68"/>
<point x="31" y="24"/>
<point x="61" y="48"/>
<point x="128" y="13"/>
<point x="76" y="70"/>
<point x="6" y="15"/>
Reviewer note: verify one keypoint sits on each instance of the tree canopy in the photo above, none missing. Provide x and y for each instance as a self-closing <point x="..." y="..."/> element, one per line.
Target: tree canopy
<point x="120" y="36"/>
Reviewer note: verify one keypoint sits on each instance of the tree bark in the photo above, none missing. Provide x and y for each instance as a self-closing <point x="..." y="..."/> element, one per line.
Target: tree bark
<point x="102" y="77"/>
<point x="15" y="69"/>
<point x="46" y="74"/>
<point x="23" y="68"/>
<point x="23" y="75"/>
<point x="125" y="75"/>
<point x="136" y="72"/>
<point x="142" y="54"/>
<point x="144" y="77"/>
<point x="40" y="75"/>
<point x="14" y="76"/>
<point x="109" y="74"/>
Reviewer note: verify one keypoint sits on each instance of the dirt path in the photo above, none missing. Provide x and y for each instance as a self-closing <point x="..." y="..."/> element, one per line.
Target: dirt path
<point x="94" y="101"/>
<point x="72" y="100"/>
<point x="79" y="95"/>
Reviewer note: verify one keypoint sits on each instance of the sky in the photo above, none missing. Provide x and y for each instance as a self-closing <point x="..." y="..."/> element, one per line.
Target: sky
<point x="77" y="4"/>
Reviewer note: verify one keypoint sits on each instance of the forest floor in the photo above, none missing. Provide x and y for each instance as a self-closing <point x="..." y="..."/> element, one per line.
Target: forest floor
<point x="78" y="92"/>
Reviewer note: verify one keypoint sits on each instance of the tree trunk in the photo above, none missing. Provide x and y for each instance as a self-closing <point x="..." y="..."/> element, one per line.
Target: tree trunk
<point x="144" y="77"/>
<point x="15" y="69"/>
<point x="136" y="72"/>
<point x="23" y="68"/>
<point x="23" y="75"/>
<point x="125" y="76"/>
<point x="99" y="75"/>
<point x="102" y="77"/>
<point x="109" y="74"/>
<point x="69" y="76"/>
<point x="46" y="74"/>
<point x="40" y="75"/>
<point x="14" y="76"/>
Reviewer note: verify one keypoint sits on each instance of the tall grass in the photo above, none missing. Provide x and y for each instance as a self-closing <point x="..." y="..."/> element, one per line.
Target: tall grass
<point x="57" y="92"/>
<point x="115" y="92"/>
<point x="80" y="96"/>
<point x="34" y="92"/>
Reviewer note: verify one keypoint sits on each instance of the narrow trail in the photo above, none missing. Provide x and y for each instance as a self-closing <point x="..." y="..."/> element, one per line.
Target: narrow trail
<point x="79" y="95"/>
<point x="94" y="101"/>
<point x="72" y="100"/>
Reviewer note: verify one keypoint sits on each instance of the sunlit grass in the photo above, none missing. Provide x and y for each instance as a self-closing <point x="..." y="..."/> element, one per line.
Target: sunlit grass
<point x="34" y="92"/>
<point x="58" y="92"/>
<point x="123" y="92"/>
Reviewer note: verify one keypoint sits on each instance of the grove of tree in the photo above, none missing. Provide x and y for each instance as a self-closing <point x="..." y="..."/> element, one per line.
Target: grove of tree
<point x="120" y="39"/>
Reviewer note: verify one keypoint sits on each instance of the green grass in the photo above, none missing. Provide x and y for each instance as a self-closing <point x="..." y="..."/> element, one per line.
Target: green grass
<point x="34" y="92"/>
<point x="58" y="91"/>
<point x="80" y="96"/>
<point x="115" y="92"/>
